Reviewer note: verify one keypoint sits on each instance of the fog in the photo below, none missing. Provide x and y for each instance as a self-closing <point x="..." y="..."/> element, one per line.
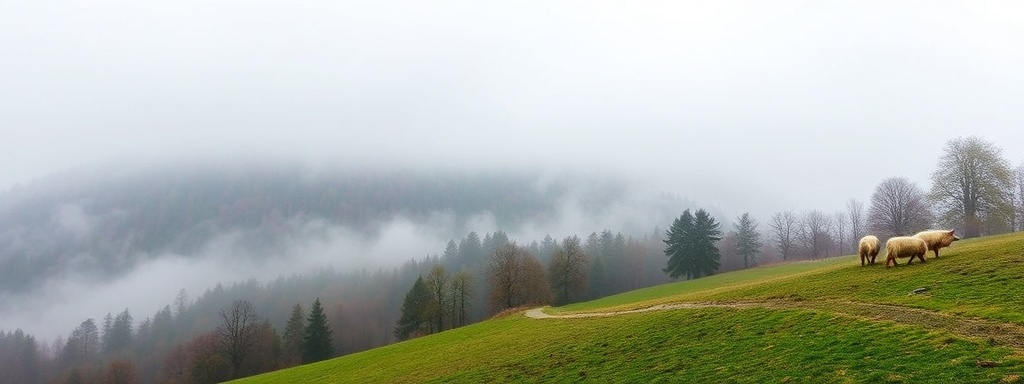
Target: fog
<point x="739" y="106"/>
<point x="306" y="245"/>
<point x="808" y="104"/>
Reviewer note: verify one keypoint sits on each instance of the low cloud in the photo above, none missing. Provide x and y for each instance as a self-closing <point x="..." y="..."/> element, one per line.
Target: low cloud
<point x="298" y="245"/>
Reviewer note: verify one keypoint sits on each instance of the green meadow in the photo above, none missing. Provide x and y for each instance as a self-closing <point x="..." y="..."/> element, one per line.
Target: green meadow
<point x="811" y="321"/>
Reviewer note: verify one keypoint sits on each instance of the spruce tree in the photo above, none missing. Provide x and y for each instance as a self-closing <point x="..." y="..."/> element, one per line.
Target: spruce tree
<point x="690" y="245"/>
<point x="316" y="345"/>
<point x="414" y="318"/>
<point x="119" y="336"/>
<point x="294" y="333"/>
<point x="677" y="246"/>
<point x="748" y="240"/>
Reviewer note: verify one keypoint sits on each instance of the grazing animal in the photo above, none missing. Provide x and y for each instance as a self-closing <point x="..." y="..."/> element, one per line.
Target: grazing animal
<point x="904" y="246"/>
<point x="937" y="239"/>
<point x="868" y="249"/>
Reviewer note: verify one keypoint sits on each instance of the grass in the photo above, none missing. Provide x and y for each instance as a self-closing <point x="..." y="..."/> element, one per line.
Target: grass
<point x="977" y="277"/>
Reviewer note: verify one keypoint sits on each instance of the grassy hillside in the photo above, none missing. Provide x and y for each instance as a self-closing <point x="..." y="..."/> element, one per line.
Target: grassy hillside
<point x="822" y="321"/>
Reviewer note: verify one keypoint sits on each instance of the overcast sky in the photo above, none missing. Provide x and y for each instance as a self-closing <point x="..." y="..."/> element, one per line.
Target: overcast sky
<point x="756" y="106"/>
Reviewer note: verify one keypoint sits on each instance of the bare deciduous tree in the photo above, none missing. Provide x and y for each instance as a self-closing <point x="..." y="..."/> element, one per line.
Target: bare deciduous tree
<point x="897" y="208"/>
<point x="839" y="225"/>
<point x="569" y="270"/>
<point x="1018" y="197"/>
<point x="461" y="292"/>
<point x="815" y="229"/>
<point x="516" y="278"/>
<point x="970" y="187"/>
<point x="784" y="230"/>
<point x="437" y="284"/>
<point x="855" y="211"/>
<point x="237" y="332"/>
<point x="504" y="273"/>
<point x="536" y="290"/>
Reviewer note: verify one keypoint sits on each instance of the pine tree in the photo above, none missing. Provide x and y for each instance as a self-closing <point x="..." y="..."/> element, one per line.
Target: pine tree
<point x="677" y="247"/>
<point x="748" y="239"/>
<point x="470" y="250"/>
<point x="82" y="345"/>
<point x="414" y="306"/>
<point x="451" y="255"/>
<point x="294" y="332"/>
<point x="316" y="345"/>
<point x="120" y="333"/>
<point x="690" y="245"/>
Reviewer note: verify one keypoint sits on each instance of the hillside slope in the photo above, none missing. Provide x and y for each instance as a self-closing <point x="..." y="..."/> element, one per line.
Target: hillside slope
<point x="105" y="223"/>
<point x="822" y="321"/>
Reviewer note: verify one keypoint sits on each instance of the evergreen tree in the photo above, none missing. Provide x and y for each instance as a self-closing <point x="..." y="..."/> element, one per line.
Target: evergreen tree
<point x="677" y="246"/>
<point x="451" y="255"/>
<point x="748" y="239"/>
<point x="493" y="242"/>
<point x="82" y="345"/>
<point x="316" y="345"/>
<point x="471" y="251"/>
<point x="108" y="323"/>
<point x="690" y="245"/>
<point x="547" y="248"/>
<point x="414" y="306"/>
<point x="294" y="332"/>
<point x="120" y="332"/>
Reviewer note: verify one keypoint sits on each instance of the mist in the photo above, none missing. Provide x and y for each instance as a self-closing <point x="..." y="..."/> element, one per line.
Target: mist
<point x="300" y="245"/>
<point x="705" y="101"/>
<point x="733" y="106"/>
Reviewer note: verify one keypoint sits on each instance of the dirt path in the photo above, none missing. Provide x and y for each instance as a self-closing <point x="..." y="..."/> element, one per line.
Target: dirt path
<point x="997" y="333"/>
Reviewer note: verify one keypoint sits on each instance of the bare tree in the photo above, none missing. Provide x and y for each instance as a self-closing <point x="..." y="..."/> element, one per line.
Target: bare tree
<point x="437" y="284"/>
<point x="569" y="270"/>
<point x="839" y="225"/>
<point x="504" y="273"/>
<point x="898" y="208"/>
<point x="516" y="278"/>
<point x="784" y="230"/>
<point x="461" y="291"/>
<point x="1018" y="197"/>
<point x="536" y="290"/>
<point x="855" y="211"/>
<point x="237" y="332"/>
<point x="970" y="187"/>
<point x="815" y="228"/>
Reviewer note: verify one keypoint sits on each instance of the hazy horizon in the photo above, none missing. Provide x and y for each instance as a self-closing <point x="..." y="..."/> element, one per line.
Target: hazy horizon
<point x="737" y="106"/>
<point x="809" y="105"/>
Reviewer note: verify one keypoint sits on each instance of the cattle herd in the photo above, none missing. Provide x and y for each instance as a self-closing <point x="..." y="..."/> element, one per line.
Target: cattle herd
<point x="906" y="246"/>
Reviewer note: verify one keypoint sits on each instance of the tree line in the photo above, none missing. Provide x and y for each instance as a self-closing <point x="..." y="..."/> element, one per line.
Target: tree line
<point x="222" y="335"/>
<point x="251" y="327"/>
<point x="974" y="190"/>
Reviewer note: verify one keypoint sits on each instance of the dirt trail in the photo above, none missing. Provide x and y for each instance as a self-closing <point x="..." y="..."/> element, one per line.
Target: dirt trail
<point x="997" y="333"/>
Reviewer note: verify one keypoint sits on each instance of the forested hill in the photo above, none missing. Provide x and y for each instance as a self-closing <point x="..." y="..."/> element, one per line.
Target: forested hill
<point x="104" y="223"/>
